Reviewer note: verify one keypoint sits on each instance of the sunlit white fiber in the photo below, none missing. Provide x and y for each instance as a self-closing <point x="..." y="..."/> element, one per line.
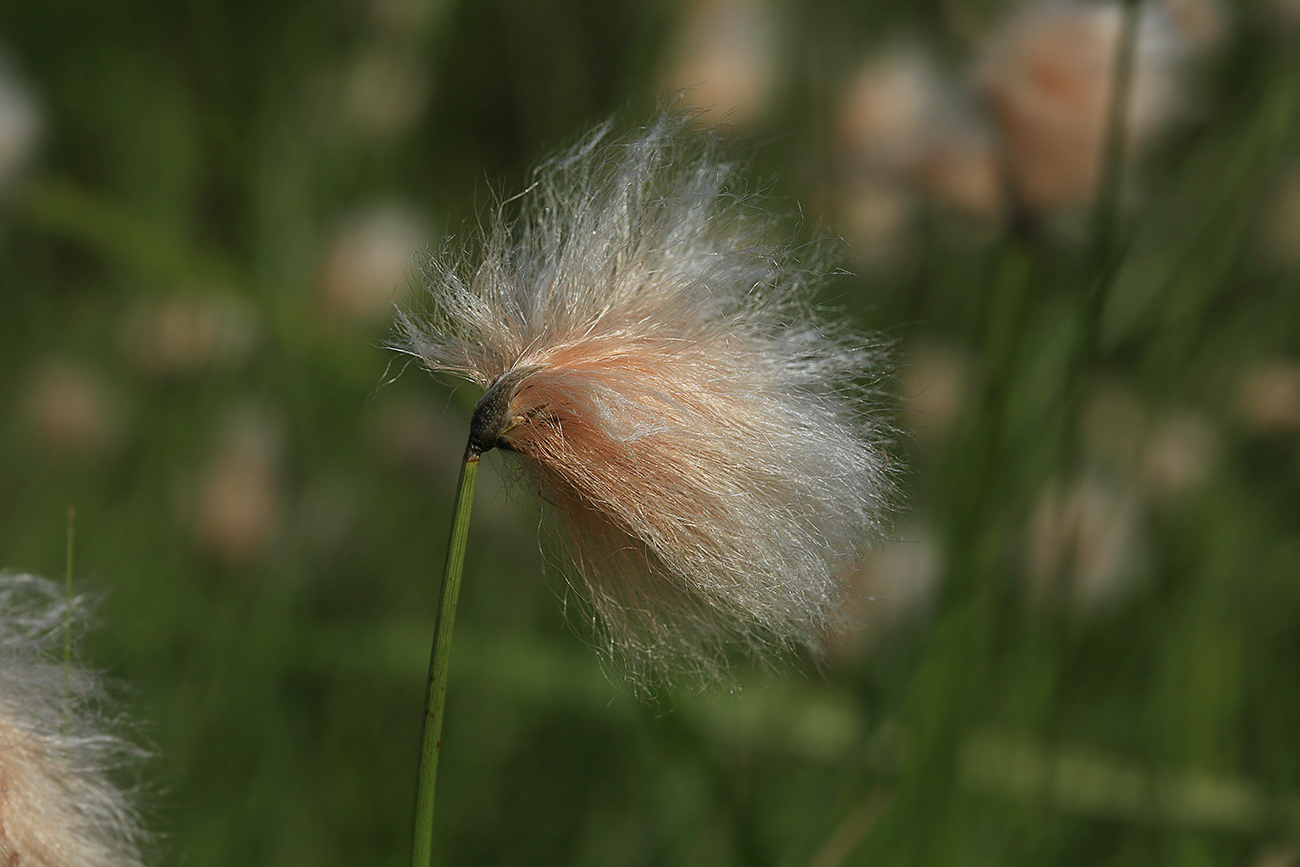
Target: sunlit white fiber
<point x="57" y="805"/>
<point x="700" y="437"/>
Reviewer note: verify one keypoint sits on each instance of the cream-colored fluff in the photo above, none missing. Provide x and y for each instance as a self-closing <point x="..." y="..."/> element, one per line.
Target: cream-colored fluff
<point x="703" y="441"/>
<point x="58" y="807"/>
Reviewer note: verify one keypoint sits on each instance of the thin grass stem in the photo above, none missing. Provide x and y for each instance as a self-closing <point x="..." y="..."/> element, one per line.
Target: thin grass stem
<point x="1107" y="248"/>
<point x="435" y="698"/>
<point x="1111" y="180"/>
<point x="67" y="616"/>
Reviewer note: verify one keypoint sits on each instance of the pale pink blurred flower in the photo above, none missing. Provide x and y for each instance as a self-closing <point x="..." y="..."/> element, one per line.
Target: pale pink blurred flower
<point x="1048" y="77"/>
<point x="240" y="498"/>
<point x="185" y="333"/>
<point x="698" y="435"/>
<point x="1268" y="396"/>
<point x="73" y="411"/>
<point x="723" y="60"/>
<point x="367" y="263"/>
<point x="58" y="806"/>
<point x="1085" y="545"/>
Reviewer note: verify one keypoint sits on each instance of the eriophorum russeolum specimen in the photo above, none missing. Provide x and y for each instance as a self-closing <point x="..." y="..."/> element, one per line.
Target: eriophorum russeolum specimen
<point x="704" y="442"/>
<point x="58" y="806"/>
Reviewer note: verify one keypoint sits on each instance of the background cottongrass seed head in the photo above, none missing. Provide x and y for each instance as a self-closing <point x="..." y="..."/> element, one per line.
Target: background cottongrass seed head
<point x="704" y="443"/>
<point x="58" y="806"/>
<point x="1048" y="78"/>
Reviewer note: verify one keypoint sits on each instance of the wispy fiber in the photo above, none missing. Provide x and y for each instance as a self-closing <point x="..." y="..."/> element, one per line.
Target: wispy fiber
<point x="58" y="807"/>
<point x="701" y="438"/>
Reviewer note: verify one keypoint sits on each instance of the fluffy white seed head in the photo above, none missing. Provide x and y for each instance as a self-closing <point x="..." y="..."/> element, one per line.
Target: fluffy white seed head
<point x="58" y="807"/>
<point x="20" y="126"/>
<point x="1047" y="78"/>
<point x="701" y="439"/>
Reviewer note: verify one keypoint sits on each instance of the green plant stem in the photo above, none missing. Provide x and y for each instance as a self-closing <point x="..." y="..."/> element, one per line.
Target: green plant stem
<point x="435" y="698"/>
<point x="977" y="461"/>
<point x="1106" y="246"/>
<point x="67" y="621"/>
<point x="67" y="616"/>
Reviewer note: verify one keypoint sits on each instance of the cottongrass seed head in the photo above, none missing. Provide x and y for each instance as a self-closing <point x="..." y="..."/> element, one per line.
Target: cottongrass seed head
<point x="1048" y="77"/>
<point x="704" y="445"/>
<point x="58" y="807"/>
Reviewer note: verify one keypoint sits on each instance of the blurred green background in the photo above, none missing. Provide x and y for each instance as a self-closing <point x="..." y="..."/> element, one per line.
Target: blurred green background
<point x="1082" y="646"/>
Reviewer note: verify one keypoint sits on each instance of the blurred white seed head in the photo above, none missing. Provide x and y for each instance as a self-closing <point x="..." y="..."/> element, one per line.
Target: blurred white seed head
<point x="1085" y="545"/>
<point x="20" y="126"/>
<point x="1048" y="77"/>
<point x="404" y="20"/>
<point x="699" y="436"/>
<point x="897" y="584"/>
<point x="415" y="435"/>
<point x="186" y="333"/>
<point x="723" y="60"/>
<point x="885" y="116"/>
<point x="58" y="806"/>
<point x="889" y="111"/>
<point x="902" y="130"/>
<point x="1202" y="23"/>
<point x="365" y="267"/>
<point x="240" y="496"/>
<point x="72" y="411"/>
<point x="876" y="216"/>
<point x="1268" y="396"/>
<point x="961" y="169"/>
<point x="376" y="95"/>
<point x="1282" y="218"/>
<point x="1167" y="452"/>
<point x="937" y="383"/>
<point x="1181" y="452"/>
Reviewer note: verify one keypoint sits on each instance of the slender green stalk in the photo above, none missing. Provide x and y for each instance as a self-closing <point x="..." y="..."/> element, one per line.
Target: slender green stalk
<point x="977" y="461"/>
<point x="1111" y="181"/>
<point x="1107" y="248"/>
<point x="439" y="663"/>
<point x="67" y="614"/>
